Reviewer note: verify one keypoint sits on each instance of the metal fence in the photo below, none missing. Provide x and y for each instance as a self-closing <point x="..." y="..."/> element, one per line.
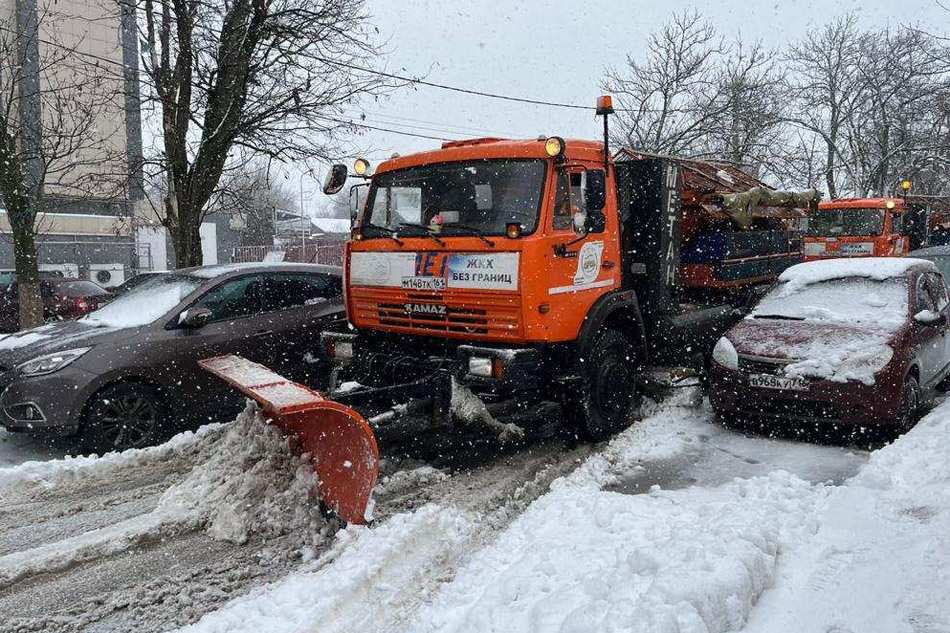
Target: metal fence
<point x="315" y="251"/>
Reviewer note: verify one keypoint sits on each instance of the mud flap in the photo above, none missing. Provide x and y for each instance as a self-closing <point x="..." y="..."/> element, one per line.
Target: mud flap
<point x="341" y="444"/>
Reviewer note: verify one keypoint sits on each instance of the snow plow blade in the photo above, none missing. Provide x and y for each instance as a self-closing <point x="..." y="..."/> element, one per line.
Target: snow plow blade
<point x="340" y="442"/>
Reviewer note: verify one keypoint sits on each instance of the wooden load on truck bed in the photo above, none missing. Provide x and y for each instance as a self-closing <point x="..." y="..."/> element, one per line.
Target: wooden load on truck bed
<point x="734" y="230"/>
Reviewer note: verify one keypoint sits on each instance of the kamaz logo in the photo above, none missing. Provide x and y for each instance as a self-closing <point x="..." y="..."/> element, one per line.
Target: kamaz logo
<point x="425" y="308"/>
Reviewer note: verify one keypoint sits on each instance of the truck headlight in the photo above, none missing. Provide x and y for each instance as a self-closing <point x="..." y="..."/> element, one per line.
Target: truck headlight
<point x="49" y="363"/>
<point x="725" y="354"/>
<point x="480" y="366"/>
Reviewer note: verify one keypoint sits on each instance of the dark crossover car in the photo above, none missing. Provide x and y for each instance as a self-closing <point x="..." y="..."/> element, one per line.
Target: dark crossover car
<point x="853" y="342"/>
<point x="62" y="299"/>
<point x="126" y="375"/>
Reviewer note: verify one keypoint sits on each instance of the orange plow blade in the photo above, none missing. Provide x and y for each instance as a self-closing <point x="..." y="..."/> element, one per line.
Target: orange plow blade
<point x="340" y="442"/>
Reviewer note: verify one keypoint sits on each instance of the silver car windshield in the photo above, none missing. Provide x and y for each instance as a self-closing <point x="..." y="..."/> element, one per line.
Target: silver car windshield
<point x="145" y="303"/>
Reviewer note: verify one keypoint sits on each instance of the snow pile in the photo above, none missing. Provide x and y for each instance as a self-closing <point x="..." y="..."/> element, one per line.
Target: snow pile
<point x="879" y="560"/>
<point x="250" y="482"/>
<point x="877" y="268"/>
<point x="849" y="301"/>
<point x="582" y="558"/>
<point x="51" y="473"/>
<point x="369" y="570"/>
<point x="856" y="357"/>
<point x="24" y="338"/>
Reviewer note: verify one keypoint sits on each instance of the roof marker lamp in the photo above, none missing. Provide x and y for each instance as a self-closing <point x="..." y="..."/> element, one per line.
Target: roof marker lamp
<point x="554" y="147"/>
<point x="889" y="204"/>
<point x="361" y="167"/>
<point x="513" y="230"/>
<point x="906" y="184"/>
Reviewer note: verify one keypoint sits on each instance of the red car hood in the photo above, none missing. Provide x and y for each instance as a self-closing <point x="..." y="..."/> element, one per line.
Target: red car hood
<point x="837" y="352"/>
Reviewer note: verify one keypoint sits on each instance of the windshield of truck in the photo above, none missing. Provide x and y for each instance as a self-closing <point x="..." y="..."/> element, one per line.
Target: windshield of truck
<point x="852" y="300"/>
<point x="846" y="222"/>
<point x="456" y="198"/>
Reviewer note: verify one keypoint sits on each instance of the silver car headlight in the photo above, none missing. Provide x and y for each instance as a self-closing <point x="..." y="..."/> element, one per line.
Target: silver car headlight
<point x="725" y="354"/>
<point x="49" y="363"/>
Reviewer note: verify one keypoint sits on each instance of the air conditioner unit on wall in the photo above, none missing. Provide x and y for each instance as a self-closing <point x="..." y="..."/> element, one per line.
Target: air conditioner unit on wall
<point x="107" y="275"/>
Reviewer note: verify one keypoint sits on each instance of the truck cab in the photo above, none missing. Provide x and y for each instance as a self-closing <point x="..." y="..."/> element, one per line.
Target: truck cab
<point x="540" y="271"/>
<point x="858" y="227"/>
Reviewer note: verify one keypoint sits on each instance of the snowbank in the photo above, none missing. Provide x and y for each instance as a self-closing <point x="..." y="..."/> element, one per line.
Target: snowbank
<point x="47" y="474"/>
<point x="877" y="268"/>
<point x="582" y="558"/>
<point x="247" y="481"/>
<point x="879" y="560"/>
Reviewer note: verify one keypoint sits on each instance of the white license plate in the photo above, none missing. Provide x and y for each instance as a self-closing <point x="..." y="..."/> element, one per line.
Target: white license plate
<point x="768" y="381"/>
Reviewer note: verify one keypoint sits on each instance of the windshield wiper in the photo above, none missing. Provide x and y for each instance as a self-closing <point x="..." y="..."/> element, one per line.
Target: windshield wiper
<point x="783" y="317"/>
<point x="471" y="229"/>
<point x="386" y="231"/>
<point x="425" y="229"/>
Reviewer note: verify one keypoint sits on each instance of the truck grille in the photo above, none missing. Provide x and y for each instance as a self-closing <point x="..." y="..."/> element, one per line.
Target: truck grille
<point x="497" y="315"/>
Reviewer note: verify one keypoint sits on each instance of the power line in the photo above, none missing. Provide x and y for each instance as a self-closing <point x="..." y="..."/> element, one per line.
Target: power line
<point x="383" y="129"/>
<point x="469" y="91"/>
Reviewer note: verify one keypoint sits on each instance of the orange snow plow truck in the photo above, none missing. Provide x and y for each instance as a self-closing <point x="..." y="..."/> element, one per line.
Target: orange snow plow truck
<point x="492" y="284"/>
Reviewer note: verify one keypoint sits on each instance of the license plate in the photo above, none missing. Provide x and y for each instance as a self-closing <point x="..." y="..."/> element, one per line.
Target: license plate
<point x="768" y="381"/>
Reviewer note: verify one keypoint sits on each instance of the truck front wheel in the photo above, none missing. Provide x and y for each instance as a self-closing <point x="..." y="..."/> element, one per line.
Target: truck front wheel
<point x="610" y="395"/>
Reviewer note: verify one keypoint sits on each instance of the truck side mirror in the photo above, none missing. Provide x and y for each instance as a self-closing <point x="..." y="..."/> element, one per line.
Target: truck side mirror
<point x="596" y="191"/>
<point x="335" y="179"/>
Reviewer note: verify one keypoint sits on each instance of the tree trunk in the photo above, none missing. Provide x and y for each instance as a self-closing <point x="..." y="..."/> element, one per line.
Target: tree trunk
<point x="187" y="242"/>
<point x="28" y="278"/>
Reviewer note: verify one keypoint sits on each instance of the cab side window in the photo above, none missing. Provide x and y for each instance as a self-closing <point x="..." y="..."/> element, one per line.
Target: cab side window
<point x="568" y="198"/>
<point x="897" y="223"/>
<point x="235" y="298"/>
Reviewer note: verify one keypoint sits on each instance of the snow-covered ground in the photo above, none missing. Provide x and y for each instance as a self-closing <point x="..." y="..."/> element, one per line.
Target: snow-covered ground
<point x="675" y="525"/>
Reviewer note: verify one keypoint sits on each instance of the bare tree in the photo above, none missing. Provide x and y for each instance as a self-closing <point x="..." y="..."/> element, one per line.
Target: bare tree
<point x="695" y="94"/>
<point x="247" y="77"/>
<point x="825" y="89"/>
<point x="667" y="100"/>
<point x="52" y="141"/>
<point x="255" y="197"/>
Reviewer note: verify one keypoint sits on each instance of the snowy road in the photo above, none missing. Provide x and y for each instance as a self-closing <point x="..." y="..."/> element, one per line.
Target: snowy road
<point x="668" y="520"/>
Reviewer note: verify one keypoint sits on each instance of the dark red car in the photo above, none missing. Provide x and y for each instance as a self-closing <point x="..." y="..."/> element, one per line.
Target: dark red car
<point x="62" y="299"/>
<point x="855" y="342"/>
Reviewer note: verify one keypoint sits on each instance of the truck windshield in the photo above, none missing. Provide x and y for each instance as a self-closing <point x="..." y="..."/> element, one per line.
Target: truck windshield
<point x="846" y="222"/>
<point x="480" y="196"/>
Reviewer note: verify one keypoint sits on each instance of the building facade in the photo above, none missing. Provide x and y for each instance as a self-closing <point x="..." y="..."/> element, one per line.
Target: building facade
<point x="85" y="231"/>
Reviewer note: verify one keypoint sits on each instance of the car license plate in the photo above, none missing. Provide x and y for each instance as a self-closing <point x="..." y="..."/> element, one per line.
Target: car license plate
<point x="769" y="381"/>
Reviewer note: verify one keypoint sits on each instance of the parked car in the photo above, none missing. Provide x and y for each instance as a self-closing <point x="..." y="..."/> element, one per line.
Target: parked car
<point x="62" y="299"/>
<point x="135" y="280"/>
<point x="853" y="342"/>
<point x="126" y="375"/>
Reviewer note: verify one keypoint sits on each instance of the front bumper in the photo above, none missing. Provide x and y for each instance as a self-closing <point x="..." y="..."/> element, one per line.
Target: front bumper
<point x="850" y="404"/>
<point x="44" y="404"/>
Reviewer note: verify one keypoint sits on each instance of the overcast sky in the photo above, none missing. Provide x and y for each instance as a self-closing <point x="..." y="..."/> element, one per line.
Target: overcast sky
<point x="553" y="51"/>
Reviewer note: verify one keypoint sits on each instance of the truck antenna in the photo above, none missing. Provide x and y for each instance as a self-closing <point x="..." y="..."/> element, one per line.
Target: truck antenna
<point x="605" y="107"/>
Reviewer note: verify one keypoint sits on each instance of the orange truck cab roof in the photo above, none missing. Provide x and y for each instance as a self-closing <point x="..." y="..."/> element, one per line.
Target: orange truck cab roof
<point x="864" y="203"/>
<point x="487" y="148"/>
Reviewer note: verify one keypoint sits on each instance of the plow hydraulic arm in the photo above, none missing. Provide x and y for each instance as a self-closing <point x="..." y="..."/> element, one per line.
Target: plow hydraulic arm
<point x="339" y="441"/>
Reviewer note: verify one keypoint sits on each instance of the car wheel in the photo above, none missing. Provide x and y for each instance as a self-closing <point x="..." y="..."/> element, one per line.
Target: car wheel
<point x="610" y="387"/>
<point x="910" y="403"/>
<point x="123" y="416"/>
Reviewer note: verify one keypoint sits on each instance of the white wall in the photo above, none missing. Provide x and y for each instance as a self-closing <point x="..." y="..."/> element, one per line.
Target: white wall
<point x="156" y="238"/>
<point x="209" y="243"/>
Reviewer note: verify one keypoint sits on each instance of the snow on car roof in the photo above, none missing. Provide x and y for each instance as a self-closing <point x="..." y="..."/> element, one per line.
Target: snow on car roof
<point x="216" y="270"/>
<point x="877" y="268"/>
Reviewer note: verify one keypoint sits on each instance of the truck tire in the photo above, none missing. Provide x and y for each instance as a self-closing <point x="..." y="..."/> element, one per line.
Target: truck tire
<point x="610" y="394"/>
